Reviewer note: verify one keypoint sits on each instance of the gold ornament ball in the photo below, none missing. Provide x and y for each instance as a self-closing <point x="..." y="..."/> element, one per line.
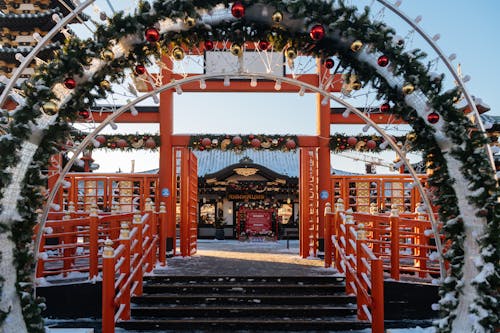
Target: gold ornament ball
<point x="236" y="50"/>
<point x="291" y="53"/>
<point x="190" y="22"/>
<point x="408" y="88"/>
<point x="178" y="53"/>
<point x="411" y="136"/>
<point x="50" y="108"/>
<point x="277" y="17"/>
<point x="107" y="55"/>
<point x="105" y="84"/>
<point x="356" y="45"/>
<point x="356" y="85"/>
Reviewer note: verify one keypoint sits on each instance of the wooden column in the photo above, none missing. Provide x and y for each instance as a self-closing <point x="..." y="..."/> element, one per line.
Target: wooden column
<point x="167" y="170"/>
<point x="323" y="132"/>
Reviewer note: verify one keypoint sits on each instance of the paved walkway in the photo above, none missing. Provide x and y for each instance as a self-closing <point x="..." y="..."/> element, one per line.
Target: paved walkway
<point x="231" y="257"/>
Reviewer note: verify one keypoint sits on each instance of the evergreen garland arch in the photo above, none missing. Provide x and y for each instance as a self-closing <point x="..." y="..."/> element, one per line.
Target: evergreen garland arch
<point x="465" y="189"/>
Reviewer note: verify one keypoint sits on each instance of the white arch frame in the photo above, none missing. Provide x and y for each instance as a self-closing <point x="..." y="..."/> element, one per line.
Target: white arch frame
<point x="388" y="138"/>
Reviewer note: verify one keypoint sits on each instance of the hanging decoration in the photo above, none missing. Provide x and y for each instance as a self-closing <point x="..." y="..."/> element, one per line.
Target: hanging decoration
<point x="70" y="83"/>
<point x="238" y="10"/>
<point x="317" y="32"/>
<point x="237" y="143"/>
<point x="152" y="35"/>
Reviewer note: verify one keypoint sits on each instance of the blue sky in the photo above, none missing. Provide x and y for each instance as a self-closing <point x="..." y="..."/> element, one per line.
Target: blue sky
<point x="468" y="28"/>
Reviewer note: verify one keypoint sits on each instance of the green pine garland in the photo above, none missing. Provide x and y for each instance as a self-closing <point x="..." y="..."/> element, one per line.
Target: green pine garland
<point x="341" y="20"/>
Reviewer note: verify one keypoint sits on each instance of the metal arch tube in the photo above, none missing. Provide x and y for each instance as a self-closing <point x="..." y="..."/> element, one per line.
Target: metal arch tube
<point x="290" y="81"/>
<point x="27" y="60"/>
<point x="455" y="75"/>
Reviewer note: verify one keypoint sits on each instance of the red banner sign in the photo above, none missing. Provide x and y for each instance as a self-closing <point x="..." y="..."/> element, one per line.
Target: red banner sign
<point x="258" y="221"/>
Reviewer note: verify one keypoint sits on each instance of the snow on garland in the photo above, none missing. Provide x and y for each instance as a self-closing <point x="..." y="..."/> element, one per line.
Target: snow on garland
<point x="451" y="147"/>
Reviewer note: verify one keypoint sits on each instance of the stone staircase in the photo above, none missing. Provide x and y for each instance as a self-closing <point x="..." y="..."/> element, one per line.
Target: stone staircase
<point x="229" y="304"/>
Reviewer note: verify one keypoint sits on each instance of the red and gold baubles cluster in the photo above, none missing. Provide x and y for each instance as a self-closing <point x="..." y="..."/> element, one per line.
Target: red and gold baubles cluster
<point x="362" y="143"/>
<point x="242" y="142"/>
<point x="123" y="142"/>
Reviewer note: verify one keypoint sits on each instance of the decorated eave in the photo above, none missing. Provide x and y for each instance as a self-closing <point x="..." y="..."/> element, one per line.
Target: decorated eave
<point x="28" y="21"/>
<point x="8" y="54"/>
<point x="246" y="168"/>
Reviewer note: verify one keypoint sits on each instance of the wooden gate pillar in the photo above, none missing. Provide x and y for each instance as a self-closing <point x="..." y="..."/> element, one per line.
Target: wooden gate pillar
<point x="323" y="132"/>
<point x="167" y="171"/>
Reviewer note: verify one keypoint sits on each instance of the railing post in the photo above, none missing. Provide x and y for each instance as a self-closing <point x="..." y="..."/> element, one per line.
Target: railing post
<point x="163" y="234"/>
<point x="138" y="223"/>
<point x="108" y="287"/>
<point x="377" y="294"/>
<point x="339" y="210"/>
<point x="328" y="235"/>
<point x="421" y="239"/>
<point x="394" y="220"/>
<point x="360" y="269"/>
<point x="66" y="240"/>
<point x="153" y="220"/>
<point x="125" y="269"/>
<point x="349" y="250"/>
<point x="93" y="243"/>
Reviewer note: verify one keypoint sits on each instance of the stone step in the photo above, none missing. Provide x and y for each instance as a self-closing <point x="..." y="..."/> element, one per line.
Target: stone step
<point x="255" y="311"/>
<point x="238" y="289"/>
<point x="255" y="325"/>
<point x="326" y="279"/>
<point x="244" y="299"/>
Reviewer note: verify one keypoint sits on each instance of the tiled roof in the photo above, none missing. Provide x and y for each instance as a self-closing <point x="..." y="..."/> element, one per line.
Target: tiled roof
<point x="284" y="163"/>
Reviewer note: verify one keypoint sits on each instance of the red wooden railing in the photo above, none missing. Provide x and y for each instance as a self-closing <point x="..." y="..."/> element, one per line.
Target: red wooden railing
<point x="126" y="192"/>
<point x="363" y="270"/>
<point x="72" y="242"/>
<point x="134" y="255"/>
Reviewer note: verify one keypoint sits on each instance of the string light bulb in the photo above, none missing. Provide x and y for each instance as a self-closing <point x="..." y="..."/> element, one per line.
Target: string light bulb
<point x="325" y="100"/>
<point x="366" y="128"/>
<point x="113" y="125"/>
<point x="277" y="85"/>
<point x="178" y="90"/>
<point x="302" y="91"/>
<point x="227" y="81"/>
<point x="133" y="111"/>
<point x="253" y="82"/>
<point x="203" y="84"/>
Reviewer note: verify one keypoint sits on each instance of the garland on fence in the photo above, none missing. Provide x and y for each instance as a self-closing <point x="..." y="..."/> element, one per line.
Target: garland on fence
<point x="329" y="29"/>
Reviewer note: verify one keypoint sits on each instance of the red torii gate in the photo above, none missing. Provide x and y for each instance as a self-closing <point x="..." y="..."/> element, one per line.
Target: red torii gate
<point x="314" y="157"/>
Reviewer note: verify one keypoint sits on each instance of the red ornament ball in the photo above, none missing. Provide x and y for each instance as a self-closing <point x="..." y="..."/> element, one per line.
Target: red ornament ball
<point x="152" y="35"/>
<point x="351" y="141"/>
<point x="85" y="114"/>
<point x="70" y="83"/>
<point x="238" y="10"/>
<point x="251" y="136"/>
<point x="385" y="107"/>
<point x="112" y="145"/>
<point x="101" y="139"/>
<point x="206" y="142"/>
<point x="255" y="143"/>
<point x="383" y="61"/>
<point x="317" y="32"/>
<point x="290" y="144"/>
<point x="264" y="45"/>
<point x="237" y="140"/>
<point x="209" y="45"/>
<point x="329" y="63"/>
<point x="433" y="117"/>
<point x="150" y="143"/>
<point x="122" y="143"/>
<point x="140" y="69"/>
<point x="370" y="144"/>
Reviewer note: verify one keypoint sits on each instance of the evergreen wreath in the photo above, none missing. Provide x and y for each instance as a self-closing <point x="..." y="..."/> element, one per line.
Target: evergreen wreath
<point x="452" y="147"/>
